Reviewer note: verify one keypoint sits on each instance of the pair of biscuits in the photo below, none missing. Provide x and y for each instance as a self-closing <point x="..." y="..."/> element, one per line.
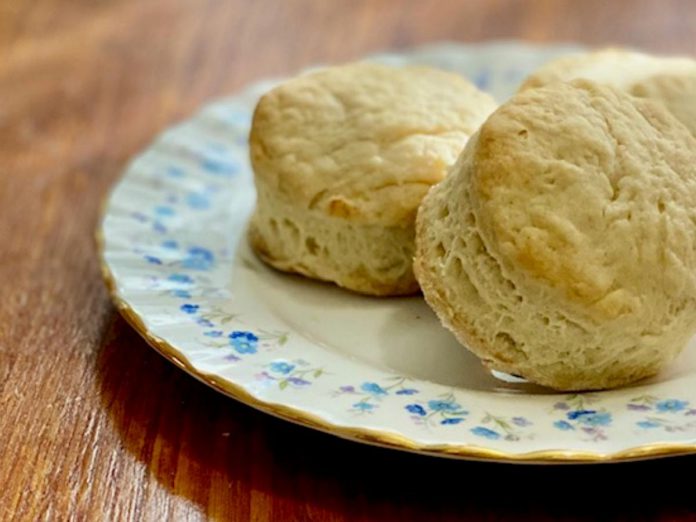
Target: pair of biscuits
<point x="560" y="247"/>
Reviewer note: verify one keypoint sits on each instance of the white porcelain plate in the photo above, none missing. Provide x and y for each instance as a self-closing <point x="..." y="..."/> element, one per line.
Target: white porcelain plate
<point x="377" y="370"/>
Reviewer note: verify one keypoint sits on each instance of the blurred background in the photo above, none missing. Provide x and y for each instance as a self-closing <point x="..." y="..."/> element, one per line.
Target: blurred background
<point x="94" y="424"/>
<point x="81" y="74"/>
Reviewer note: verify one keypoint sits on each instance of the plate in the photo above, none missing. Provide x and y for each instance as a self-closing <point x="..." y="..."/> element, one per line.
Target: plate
<point x="382" y="371"/>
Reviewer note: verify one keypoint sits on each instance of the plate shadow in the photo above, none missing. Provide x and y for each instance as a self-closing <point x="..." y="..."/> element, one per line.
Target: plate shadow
<point x="236" y="463"/>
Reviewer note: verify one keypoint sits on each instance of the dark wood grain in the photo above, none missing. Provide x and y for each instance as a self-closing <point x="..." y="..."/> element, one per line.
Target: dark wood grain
<point x="93" y="424"/>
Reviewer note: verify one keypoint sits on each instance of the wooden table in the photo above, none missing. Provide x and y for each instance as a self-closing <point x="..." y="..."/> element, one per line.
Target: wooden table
<point x="96" y="426"/>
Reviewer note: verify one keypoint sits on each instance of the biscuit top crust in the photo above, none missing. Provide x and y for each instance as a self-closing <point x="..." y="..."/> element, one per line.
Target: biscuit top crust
<point x="588" y="194"/>
<point x="364" y="141"/>
<point x="676" y="91"/>
<point x="620" y="68"/>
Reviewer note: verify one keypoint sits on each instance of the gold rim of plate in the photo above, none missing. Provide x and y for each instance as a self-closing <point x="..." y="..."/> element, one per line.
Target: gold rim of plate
<point x="365" y="435"/>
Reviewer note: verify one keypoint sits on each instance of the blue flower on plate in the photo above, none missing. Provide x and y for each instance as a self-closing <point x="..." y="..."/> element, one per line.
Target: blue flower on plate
<point x="485" y="432"/>
<point x="213" y="333"/>
<point x="638" y="407"/>
<point x="282" y="367"/>
<point x="576" y="414"/>
<point x="444" y="406"/>
<point x="164" y="211"/>
<point x="184" y="294"/>
<point x="198" y="258"/>
<point x="243" y="342"/>
<point x="139" y="217"/>
<point x="363" y="406"/>
<point x="451" y="420"/>
<point x="590" y="417"/>
<point x="218" y="167"/>
<point x="159" y="227"/>
<point x="407" y="391"/>
<point x="197" y="201"/>
<point x="170" y="244"/>
<point x="563" y="425"/>
<point x="154" y="260"/>
<point x="298" y="381"/>
<point x="521" y="422"/>
<point x="647" y="424"/>
<point x="482" y="79"/>
<point x="373" y="388"/>
<point x="189" y="308"/>
<point x="598" y="419"/>
<point x="671" y="405"/>
<point x="180" y="278"/>
<point x="416" y="409"/>
<point x="175" y="172"/>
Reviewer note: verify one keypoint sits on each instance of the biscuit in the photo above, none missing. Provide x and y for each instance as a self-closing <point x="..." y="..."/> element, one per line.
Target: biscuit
<point x="677" y="92"/>
<point x="670" y="80"/>
<point x="562" y="245"/>
<point x="342" y="158"/>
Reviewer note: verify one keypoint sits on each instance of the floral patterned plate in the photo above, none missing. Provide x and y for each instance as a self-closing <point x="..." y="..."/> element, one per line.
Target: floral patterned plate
<point x="381" y="371"/>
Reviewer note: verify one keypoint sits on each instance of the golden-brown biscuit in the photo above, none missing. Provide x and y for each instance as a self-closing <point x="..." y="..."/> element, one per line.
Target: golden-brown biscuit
<point x="562" y="245"/>
<point x="342" y="158"/>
